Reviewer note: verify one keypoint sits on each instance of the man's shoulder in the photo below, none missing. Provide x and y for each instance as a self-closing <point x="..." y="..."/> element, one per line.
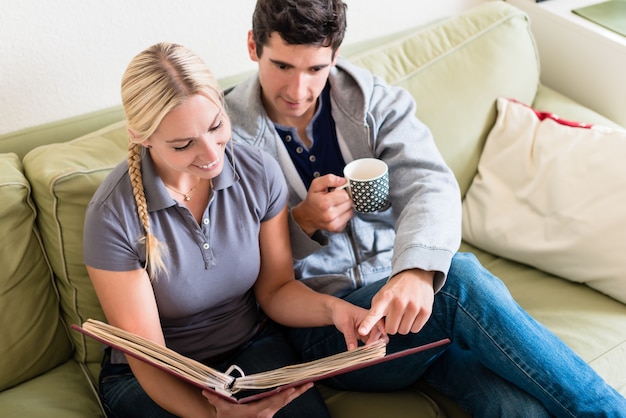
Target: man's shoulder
<point x="347" y="70"/>
<point x="350" y="81"/>
<point x="236" y="94"/>
<point x="245" y="110"/>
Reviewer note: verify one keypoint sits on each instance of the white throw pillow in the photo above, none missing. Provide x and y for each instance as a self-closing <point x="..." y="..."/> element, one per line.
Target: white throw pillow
<point x="552" y="195"/>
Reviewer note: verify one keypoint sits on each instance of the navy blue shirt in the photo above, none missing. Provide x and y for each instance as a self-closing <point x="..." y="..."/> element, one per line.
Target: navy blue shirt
<point x="324" y="156"/>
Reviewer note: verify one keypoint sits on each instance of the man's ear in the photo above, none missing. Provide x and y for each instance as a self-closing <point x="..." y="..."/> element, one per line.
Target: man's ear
<point x="335" y="57"/>
<point x="252" y="47"/>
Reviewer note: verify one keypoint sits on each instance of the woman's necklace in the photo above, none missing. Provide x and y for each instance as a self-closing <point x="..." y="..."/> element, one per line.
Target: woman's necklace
<point x="186" y="196"/>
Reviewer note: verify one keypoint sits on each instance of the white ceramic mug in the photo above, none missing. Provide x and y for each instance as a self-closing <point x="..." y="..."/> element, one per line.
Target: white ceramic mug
<point x="368" y="184"/>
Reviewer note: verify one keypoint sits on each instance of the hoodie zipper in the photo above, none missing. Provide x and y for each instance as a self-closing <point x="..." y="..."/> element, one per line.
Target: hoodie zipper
<point x="357" y="272"/>
<point x="350" y="228"/>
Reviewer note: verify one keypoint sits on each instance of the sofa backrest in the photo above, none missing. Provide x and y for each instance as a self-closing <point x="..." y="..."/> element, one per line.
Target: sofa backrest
<point x="64" y="177"/>
<point x="455" y="70"/>
<point x="32" y="338"/>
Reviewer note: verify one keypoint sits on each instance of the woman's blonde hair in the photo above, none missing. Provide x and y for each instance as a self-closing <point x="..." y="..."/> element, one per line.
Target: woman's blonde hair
<point x="157" y="80"/>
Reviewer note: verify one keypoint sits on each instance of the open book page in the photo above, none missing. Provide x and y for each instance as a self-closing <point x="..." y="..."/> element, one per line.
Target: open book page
<point x="305" y="371"/>
<point x="225" y="385"/>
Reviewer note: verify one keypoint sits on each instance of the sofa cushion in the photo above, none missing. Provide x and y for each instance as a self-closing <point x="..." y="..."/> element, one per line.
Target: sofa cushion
<point x="461" y="65"/>
<point x="552" y="196"/>
<point x="64" y="176"/>
<point x="567" y="108"/>
<point x="410" y="402"/>
<point x="32" y="337"/>
<point x="60" y="393"/>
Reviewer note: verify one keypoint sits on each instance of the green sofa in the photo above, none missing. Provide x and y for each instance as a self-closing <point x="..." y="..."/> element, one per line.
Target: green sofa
<point x="455" y="68"/>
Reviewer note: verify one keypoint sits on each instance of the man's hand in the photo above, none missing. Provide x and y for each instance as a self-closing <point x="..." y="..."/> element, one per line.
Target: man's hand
<point x="324" y="208"/>
<point x="406" y="303"/>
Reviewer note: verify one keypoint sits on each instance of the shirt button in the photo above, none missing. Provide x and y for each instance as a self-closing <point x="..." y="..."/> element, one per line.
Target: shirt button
<point x="205" y="245"/>
<point x="288" y="138"/>
<point x="206" y="221"/>
<point x="312" y="158"/>
<point x="299" y="150"/>
<point x="316" y="174"/>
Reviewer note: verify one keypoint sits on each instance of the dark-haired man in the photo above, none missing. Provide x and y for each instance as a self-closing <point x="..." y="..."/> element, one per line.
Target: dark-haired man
<point x="315" y="112"/>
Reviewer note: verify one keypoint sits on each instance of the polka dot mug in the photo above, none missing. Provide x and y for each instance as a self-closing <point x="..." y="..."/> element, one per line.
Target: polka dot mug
<point x="368" y="184"/>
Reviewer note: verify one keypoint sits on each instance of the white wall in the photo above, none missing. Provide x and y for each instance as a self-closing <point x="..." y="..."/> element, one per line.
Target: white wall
<point x="65" y="58"/>
<point x="578" y="58"/>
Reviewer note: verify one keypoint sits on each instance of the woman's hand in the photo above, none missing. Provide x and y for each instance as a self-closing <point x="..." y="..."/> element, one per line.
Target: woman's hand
<point x="263" y="408"/>
<point x="348" y="318"/>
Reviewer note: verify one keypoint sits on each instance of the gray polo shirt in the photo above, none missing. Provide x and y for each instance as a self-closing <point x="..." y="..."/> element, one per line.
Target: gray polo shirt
<point x="206" y="305"/>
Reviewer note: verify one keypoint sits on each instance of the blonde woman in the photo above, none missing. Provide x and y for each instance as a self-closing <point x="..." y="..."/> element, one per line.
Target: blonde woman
<point x="192" y="249"/>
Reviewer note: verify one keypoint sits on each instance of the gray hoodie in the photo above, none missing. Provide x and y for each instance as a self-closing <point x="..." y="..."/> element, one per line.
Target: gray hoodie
<point x="421" y="228"/>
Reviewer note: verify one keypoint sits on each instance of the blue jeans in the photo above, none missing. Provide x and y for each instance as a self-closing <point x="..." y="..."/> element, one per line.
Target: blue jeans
<point x="501" y="363"/>
<point x="122" y="395"/>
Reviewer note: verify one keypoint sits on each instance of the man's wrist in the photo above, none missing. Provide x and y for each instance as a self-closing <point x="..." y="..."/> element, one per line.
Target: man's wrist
<point x="424" y="275"/>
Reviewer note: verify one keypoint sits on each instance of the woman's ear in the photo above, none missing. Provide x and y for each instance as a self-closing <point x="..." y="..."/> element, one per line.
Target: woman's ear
<point x="135" y="138"/>
<point x="132" y="134"/>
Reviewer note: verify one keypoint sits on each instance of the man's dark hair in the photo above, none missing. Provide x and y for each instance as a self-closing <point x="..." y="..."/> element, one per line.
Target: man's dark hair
<point x="300" y="22"/>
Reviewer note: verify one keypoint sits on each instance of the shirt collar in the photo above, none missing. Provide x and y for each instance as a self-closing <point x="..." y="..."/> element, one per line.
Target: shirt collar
<point x="157" y="196"/>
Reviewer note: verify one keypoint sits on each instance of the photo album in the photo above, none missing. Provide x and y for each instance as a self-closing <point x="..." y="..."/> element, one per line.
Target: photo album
<point x="228" y="384"/>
